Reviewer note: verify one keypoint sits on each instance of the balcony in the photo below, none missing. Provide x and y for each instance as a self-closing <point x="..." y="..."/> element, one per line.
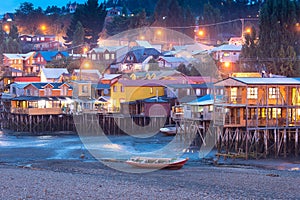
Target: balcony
<point x="37" y="111"/>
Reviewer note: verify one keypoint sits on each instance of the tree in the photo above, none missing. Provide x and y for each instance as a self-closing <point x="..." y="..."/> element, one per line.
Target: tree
<point x="29" y="20"/>
<point x="278" y="38"/>
<point x="249" y="51"/>
<point x="92" y="16"/>
<point x="78" y="38"/>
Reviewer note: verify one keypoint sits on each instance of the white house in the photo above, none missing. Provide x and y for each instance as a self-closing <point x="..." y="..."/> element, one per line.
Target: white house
<point x="171" y="62"/>
<point x="52" y="74"/>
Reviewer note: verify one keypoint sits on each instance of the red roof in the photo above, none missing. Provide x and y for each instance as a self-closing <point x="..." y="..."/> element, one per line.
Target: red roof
<point x="28" y="79"/>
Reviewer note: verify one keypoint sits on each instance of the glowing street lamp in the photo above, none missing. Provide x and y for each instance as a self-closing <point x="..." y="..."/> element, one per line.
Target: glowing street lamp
<point x="6" y="28"/>
<point x="84" y="64"/>
<point x="159" y="32"/>
<point x="248" y="30"/>
<point x="201" y="33"/>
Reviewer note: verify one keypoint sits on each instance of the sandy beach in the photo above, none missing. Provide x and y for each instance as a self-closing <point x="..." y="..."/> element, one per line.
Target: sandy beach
<point x="64" y="179"/>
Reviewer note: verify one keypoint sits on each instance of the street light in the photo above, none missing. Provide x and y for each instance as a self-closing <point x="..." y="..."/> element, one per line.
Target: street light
<point x="85" y="64"/>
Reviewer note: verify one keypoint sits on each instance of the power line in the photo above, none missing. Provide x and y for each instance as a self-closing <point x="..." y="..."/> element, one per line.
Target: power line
<point x="212" y="24"/>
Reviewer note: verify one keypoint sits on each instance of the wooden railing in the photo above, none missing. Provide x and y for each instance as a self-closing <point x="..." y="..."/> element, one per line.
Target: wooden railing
<point x="37" y="111"/>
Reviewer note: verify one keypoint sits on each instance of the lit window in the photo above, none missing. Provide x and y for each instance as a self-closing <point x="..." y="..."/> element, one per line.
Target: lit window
<point x="252" y="93"/>
<point x="115" y="88"/>
<point x="106" y="56"/>
<point x="122" y="88"/>
<point x="233" y="96"/>
<point x="273" y="93"/>
<point x="112" y="56"/>
<point x="151" y="90"/>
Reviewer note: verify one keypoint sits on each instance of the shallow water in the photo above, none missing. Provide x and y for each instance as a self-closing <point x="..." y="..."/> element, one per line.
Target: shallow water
<point x="18" y="149"/>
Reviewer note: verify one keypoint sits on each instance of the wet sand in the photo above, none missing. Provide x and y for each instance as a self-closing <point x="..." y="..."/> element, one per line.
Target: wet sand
<point x="65" y="179"/>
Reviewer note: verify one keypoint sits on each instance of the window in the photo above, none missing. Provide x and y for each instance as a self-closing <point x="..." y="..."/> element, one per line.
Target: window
<point x="122" y="88"/>
<point x="84" y="89"/>
<point x="274" y="113"/>
<point x="233" y="96"/>
<point x="48" y="91"/>
<point x="188" y="92"/>
<point x="106" y="56"/>
<point x="64" y="91"/>
<point x="273" y="93"/>
<point x="151" y="90"/>
<point x="252" y="93"/>
<point x="198" y="92"/>
<point x="112" y="56"/>
<point x="115" y="88"/>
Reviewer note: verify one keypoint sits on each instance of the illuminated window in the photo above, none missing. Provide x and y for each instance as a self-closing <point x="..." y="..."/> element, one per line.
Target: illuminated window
<point x="233" y="96"/>
<point x="273" y="93"/>
<point x="252" y="93"/>
<point x="106" y="56"/>
<point x="151" y="90"/>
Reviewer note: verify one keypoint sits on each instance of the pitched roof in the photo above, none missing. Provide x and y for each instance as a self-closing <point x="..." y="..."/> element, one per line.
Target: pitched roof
<point x="42" y="85"/>
<point x="19" y="56"/>
<point x="227" y="47"/>
<point x="269" y="81"/>
<point x="173" y="59"/>
<point x="142" y="53"/>
<point x="49" y="55"/>
<point x="54" y="72"/>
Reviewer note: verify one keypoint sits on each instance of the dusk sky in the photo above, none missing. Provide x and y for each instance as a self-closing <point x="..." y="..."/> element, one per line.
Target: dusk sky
<point x="11" y="5"/>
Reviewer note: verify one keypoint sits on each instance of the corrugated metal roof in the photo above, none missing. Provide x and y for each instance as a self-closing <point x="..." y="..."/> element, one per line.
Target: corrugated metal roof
<point x="268" y="81"/>
<point x="54" y="72"/>
<point x="18" y="56"/>
<point x="49" y="55"/>
<point x="227" y="47"/>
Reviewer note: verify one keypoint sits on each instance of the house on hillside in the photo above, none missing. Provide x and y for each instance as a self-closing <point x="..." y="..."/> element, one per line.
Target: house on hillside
<point x="92" y="75"/>
<point x="52" y="74"/>
<point x="44" y="57"/>
<point x="137" y="58"/>
<point x="8" y="76"/>
<point x="171" y="62"/>
<point x="107" y="54"/>
<point x="23" y="62"/>
<point x="227" y="53"/>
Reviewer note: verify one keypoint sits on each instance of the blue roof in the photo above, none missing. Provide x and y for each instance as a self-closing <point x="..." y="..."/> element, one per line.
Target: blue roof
<point x="42" y="85"/>
<point x="49" y="55"/>
<point x="101" y="86"/>
<point x="155" y="100"/>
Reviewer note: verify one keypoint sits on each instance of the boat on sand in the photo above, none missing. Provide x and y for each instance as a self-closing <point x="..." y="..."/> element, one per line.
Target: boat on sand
<point x="168" y="130"/>
<point x="157" y="163"/>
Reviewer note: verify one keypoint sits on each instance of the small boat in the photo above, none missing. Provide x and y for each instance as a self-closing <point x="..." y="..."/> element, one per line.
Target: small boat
<point x="168" y="130"/>
<point x="157" y="163"/>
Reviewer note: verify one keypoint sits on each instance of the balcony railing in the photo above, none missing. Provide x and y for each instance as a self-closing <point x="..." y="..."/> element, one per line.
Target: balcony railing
<point x="37" y="111"/>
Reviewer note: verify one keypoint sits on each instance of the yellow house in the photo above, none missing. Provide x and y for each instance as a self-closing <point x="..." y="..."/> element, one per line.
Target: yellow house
<point x="131" y="90"/>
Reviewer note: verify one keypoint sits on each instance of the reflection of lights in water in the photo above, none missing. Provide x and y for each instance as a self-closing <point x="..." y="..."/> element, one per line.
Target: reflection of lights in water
<point x="112" y="146"/>
<point x="295" y="169"/>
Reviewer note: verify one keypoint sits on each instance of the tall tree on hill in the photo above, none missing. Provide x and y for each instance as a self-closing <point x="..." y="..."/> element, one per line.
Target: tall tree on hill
<point x="29" y="20"/>
<point x="173" y="14"/>
<point x="92" y="17"/>
<point x="78" y="38"/>
<point x="278" y="37"/>
<point x="249" y="51"/>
